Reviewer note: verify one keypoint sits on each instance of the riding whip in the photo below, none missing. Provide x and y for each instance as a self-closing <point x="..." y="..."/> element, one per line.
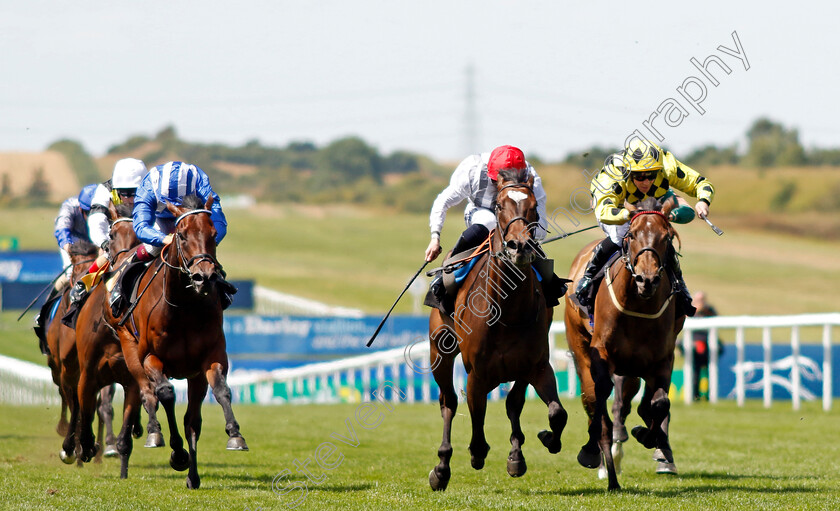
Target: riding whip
<point x="395" y="304"/>
<point x="51" y="284"/>
<point x="713" y="226"/>
<point x="565" y="235"/>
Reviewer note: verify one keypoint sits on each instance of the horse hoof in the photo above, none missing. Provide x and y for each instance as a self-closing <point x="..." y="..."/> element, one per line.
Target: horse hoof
<point x="236" y="443"/>
<point x="68" y="459"/>
<point x="547" y="439"/>
<point x="663" y="456"/>
<point x="666" y="468"/>
<point x="614" y="487"/>
<point x="154" y="440"/>
<point x="437" y="483"/>
<point x="193" y="485"/>
<point x="618" y="454"/>
<point x="110" y="451"/>
<point x="179" y="460"/>
<point x="642" y="434"/>
<point x="589" y="459"/>
<point x="516" y="468"/>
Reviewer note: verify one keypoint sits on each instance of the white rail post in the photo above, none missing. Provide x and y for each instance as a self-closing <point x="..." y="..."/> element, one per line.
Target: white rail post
<point x="365" y="383"/>
<point x="688" y="367"/>
<point x="740" y="391"/>
<point x="571" y="374"/>
<point x="409" y="383"/>
<point x="395" y="374"/>
<point x="767" y="344"/>
<point x="827" y="375"/>
<point x="426" y="390"/>
<point x="713" y="364"/>
<point x="795" y="377"/>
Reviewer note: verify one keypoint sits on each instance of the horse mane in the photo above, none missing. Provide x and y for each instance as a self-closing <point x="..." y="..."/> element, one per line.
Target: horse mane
<point x="82" y="248"/>
<point x="192" y="202"/>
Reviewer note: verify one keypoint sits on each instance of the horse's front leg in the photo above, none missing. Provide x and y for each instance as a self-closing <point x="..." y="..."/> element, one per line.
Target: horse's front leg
<point x="442" y="360"/>
<point x="655" y="410"/>
<point x="545" y="384"/>
<point x="516" y="466"/>
<point x="221" y="391"/>
<point x="165" y="393"/>
<point x="131" y="411"/>
<point x="106" y="420"/>
<point x="192" y="426"/>
<point x="625" y="388"/>
<point x="600" y="430"/>
<point x="477" y="401"/>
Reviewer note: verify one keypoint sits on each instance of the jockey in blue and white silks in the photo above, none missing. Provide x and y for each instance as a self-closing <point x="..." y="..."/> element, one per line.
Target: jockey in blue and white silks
<point x="71" y="223"/>
<point x="170" y="182"/>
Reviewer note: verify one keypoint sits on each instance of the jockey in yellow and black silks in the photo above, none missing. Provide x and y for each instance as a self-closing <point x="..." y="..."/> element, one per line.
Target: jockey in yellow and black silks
<point x="643" y="170"/>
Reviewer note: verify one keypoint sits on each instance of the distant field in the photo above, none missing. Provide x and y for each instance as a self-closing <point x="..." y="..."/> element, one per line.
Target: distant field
<point x="728" y="458"/>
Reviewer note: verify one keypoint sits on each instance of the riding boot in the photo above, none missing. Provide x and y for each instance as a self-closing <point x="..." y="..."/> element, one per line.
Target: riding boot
<point x="684" y="305"/>
<point x="227" y="290"/>
<point x="470" y="238"/>
<point x="41" y="320"/>
<point x="553" y="286"/>
<point x="600" y="255"/>
<point x="77" y="292"/>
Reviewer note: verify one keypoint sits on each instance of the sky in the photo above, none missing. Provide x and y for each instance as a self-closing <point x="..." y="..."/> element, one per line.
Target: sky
<point x="551" y="77"/>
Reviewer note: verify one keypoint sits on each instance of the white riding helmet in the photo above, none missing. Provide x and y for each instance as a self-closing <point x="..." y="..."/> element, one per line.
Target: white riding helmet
<point x="128" y="173"/>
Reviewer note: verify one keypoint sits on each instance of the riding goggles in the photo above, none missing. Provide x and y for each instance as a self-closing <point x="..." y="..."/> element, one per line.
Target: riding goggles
<point x="643" y="176"/>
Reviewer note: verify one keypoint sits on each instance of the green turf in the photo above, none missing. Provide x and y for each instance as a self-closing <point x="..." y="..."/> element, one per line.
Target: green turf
<point x="728" y="458"/>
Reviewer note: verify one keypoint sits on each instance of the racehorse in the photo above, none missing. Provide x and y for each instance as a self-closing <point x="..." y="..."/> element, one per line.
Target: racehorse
<point x="101" y="360"/>
<point x="63" y="359"/>
<point x="500" y="327"/>
<point x="174" y="330"/>
<point x="633" y="337"/>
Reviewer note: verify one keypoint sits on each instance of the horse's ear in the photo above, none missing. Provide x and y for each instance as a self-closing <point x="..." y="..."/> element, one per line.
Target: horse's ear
<point x="530" y="180"/>
<point x="631" y="208"/>
<point x="112" y="209"/>
<point x="175" y="210"/>
<point x="209" y="203"/>
<point x="669" y="205"/>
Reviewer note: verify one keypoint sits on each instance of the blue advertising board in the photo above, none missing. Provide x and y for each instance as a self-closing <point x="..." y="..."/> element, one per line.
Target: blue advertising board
<point x="271" y="342"/>
<point x="810" y="371"/>
<point x="40" y="266"/>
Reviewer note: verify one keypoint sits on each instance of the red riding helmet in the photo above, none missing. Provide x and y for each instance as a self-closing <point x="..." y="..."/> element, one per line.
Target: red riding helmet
<point x="503" y="158"/>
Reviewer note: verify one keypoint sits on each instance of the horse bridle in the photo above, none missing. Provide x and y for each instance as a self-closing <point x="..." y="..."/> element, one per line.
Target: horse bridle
<point x="631" y="265"/>
<point x="113" y="257"/>
<point x="184" y="264"/>
<point x="503" y="232"/>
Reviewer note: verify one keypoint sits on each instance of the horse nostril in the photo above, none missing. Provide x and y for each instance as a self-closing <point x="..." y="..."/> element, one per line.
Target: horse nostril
<point x="639" y="279"/>
<point x="656" y="280"/>
<point x="512" y="245"/>
<point x="197" y="278"/>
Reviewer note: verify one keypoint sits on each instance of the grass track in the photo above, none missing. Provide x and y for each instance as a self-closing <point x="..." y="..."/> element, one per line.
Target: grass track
<point x="728" y="458"/>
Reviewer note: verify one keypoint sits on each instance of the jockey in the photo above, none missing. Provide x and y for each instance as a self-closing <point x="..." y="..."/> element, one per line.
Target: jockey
<point x="70" y="227"/>
<point x="119" y="189"/>
<point x="154" y="224"/>
<point x="643" y="170"/>
<point x="475" y="179"/>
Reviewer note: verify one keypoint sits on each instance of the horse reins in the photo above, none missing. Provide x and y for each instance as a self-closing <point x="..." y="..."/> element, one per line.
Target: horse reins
<point x="184" y="264"/>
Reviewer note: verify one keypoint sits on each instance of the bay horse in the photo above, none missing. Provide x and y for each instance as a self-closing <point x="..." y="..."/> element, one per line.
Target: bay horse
<point x="175" y="331"/>
<point x="500" y="327"/>
<point x="101" y="361"/>
<point x="62" y="358"/>
<point x="633" y="337"/>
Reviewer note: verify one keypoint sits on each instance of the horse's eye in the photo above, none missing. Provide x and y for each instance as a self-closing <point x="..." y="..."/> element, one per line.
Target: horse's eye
<point x="182" y="237"/>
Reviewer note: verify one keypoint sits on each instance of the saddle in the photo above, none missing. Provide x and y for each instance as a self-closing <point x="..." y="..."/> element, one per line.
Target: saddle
<point x="122" y="284"/>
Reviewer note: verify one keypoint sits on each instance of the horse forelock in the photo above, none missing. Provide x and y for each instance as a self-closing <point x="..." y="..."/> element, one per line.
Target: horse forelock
<point x="82" y="248"/>
<point x="192" y="202"/>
